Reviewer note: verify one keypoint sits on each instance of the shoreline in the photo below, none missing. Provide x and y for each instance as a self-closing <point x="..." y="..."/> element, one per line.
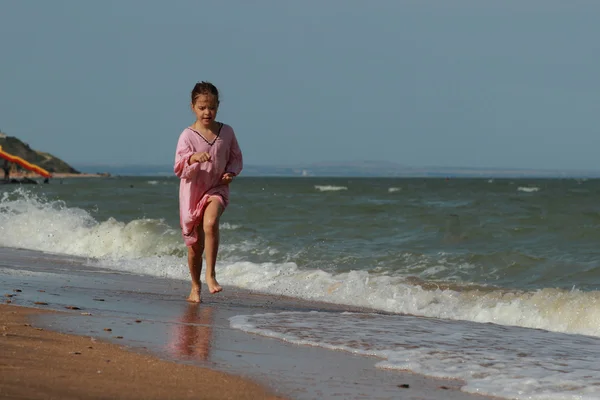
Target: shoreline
<point x="148" y="316"/>
<point x="41" y="364"/>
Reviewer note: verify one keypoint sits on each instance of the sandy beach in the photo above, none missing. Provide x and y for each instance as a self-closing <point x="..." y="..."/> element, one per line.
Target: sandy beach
<point x="41" y="364"/>
<point x="103" y="334"/>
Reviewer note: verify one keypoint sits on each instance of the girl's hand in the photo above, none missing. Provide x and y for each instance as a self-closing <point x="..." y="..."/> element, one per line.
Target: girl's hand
<point x="199" y="158"/>
<point x="227" y="178"/>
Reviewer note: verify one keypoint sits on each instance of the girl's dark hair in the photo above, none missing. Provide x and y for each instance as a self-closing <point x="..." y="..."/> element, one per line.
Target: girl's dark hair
<point x="204" y="88"/>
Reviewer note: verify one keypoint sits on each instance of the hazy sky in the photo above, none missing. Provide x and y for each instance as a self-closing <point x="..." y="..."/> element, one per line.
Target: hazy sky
<point x="422" y="83"/>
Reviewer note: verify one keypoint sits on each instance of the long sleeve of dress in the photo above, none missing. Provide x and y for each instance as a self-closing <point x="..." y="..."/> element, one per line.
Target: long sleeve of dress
<point x="236" y="162"/>
<point x="183" y="152"/>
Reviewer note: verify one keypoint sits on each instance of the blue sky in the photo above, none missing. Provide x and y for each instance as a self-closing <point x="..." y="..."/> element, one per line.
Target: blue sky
<point x="421" y="83"/>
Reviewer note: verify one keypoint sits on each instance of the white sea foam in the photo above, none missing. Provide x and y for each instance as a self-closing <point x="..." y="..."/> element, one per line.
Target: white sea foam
<point x="227" y="225"/>
<point x="394" y="189"/>
<point x="330" y="188"/>
<point x="29" y="222"/>
<point x="511" y="363"/>
<point x="550" y="309"/>
<point x="161" y="182"/>
<point x="528" y="189"/>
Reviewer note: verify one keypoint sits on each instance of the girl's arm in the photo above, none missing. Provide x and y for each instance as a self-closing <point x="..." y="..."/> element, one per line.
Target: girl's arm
<point x="184" y="151"/>
<point x="236" y="163"/>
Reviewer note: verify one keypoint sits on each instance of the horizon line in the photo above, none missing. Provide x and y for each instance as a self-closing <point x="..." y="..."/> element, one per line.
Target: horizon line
<point x="356" y="164"/>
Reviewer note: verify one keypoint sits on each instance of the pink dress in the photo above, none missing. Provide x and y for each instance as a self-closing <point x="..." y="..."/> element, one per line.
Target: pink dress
<point x="200" y="181"/>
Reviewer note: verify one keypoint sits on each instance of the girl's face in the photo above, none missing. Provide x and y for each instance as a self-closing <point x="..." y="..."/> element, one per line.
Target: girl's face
<point x="205" y="107"/>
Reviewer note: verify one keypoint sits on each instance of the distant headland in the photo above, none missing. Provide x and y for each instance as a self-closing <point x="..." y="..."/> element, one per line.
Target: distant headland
<point x="18" y="173"/>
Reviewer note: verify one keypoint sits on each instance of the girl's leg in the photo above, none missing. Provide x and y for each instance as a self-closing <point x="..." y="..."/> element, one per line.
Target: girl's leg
<point x="212" y="213"/>
<point x="195" y="264"/>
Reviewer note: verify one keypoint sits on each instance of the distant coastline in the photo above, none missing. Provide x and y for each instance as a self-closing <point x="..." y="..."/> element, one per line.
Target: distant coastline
<point x="373" y="169"/>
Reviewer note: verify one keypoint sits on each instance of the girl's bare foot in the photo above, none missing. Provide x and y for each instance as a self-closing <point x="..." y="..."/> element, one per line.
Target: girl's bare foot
<point x="194" y="296"/>
<point x="213" y="285"/>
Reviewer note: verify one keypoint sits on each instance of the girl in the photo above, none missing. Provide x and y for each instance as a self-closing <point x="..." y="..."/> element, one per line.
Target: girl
<point x="207" y="159"/>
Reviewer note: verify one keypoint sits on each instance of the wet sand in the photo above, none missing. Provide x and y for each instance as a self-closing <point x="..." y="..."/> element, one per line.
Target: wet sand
<point x="149" y="318"/>
<point x="41" y="364"/>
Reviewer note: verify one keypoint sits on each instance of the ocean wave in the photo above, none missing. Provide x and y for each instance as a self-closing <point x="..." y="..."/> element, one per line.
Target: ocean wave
<point x="330" y="188"/>
<point x="528" y="189"/>
<point x="32" y="222"/>
<point x="550" y="309"/>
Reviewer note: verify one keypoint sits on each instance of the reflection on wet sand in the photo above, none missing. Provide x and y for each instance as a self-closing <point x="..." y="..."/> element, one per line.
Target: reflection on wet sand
<point x="193" y="333"/>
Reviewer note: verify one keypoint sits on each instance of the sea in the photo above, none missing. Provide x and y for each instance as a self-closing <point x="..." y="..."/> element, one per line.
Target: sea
<point x="494" y="282"/>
